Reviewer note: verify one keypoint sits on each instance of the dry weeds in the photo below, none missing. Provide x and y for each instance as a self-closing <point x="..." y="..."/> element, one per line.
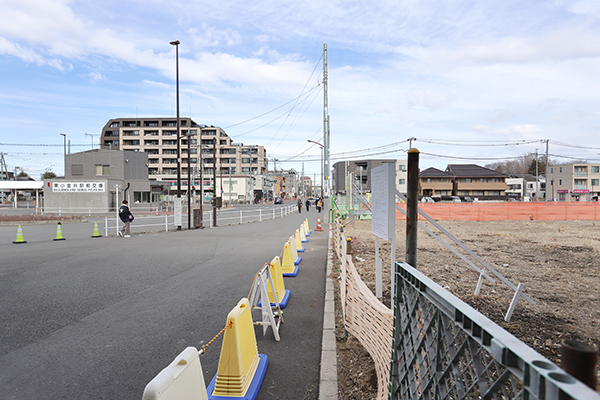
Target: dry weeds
<point x="557" y="261"/>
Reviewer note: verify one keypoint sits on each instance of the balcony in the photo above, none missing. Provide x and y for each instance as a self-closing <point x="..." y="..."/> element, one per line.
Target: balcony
<point x="579" y="187"/>
<point x="580" y="174"/>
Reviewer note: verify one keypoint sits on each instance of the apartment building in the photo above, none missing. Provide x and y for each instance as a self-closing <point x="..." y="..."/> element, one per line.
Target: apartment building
<point x="475" y="181"/>
<point x="210" y="148"/>
<point x="435" y="182"/>
<point x="574" y="182"/>
<point x="526" y="186"/>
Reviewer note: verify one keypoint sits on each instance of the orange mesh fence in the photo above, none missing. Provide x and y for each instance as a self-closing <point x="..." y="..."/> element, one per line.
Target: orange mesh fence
<point x="509" y="211"/>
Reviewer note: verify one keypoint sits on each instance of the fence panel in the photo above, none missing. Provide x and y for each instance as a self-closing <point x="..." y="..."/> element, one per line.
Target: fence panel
<point x="444" y="349"/>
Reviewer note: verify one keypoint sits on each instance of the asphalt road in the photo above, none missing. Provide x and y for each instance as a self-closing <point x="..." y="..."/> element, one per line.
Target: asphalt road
<point x="99" y="318"/>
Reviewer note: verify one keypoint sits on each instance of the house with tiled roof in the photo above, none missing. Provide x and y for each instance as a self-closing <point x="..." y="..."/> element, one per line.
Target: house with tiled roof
<point x="435" y="182"/>
<point x="475" y="181"/>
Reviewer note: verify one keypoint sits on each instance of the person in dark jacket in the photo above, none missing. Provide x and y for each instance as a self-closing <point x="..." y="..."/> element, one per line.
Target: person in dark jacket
<point x="126" y="217"/>
<point x="307" y="205"/>
<point x="299" y="206"/>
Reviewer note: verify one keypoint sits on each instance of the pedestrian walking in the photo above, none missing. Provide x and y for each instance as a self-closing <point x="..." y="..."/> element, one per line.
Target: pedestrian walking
<point x="307" y="205"/>
<point x="319" y="205"/>
<point x="299" y="206"/>
<point x="126" y="216"/>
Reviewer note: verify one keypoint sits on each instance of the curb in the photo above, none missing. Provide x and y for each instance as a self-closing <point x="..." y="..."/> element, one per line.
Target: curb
<point x="328" y="387"/>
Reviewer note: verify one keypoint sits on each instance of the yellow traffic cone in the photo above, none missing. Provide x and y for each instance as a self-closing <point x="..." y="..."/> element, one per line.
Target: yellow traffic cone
<point x="59" y="235"/>
<point x="96" y="233"/>
<point x="241" y="369"/>
<point x="19" y="239"/>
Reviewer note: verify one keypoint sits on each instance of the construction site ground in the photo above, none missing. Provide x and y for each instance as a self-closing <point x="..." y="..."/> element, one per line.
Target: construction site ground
<point x="557" y="261"/>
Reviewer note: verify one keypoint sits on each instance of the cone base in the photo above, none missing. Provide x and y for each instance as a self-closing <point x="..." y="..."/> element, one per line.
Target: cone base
<point x="96" y="236"/>
<point x="298" y="261"/>
<point x="254" y="387"/>
<point x="291" y="274"/>
<point x="283" y="304"/>
<point x="20" y="242"/>
<point x="60" y="239"/>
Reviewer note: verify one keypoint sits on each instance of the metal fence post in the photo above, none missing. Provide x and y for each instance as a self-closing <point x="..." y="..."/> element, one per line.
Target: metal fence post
<point x="412" y="207"/>
<point x="167" y="222"/>
<point x="259" y="215"/>
<point x="105" y="226"/>
<point x="241" y="217"/>
<point x="59" y="212"/>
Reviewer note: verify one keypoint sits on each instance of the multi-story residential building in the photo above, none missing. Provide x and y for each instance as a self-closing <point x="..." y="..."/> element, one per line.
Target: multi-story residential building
<point x="434" y="182"/>
<point x="475" y="181"/>
<point x="360" y="172"/>
<point x="526" y="186"/>
<point x="574" y="182"/>
<point x="210" y="147"/>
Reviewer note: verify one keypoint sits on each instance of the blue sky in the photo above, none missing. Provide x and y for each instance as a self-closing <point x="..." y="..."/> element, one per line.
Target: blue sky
<point x="449" y="73"/>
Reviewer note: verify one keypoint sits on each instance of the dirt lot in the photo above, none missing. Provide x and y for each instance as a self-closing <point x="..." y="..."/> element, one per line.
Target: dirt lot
<point x="557" y="261"/>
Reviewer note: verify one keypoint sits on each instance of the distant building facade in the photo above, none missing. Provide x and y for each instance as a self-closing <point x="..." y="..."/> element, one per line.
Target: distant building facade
<point x="99" y="180"/>
<point x="210" y="148"/>
<point x="347" y="173"/>
<point x="574" y="182"/>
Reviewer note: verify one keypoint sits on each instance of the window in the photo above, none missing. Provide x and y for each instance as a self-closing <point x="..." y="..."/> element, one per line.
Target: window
<point x="560" y="181"/>
<point x="245" y="161"/>
<point x="401" y="181"/>
<point x="245" y="170"/>
<point x="595" y="182"/>
<point x="169" y="142"/>
<point x="209" y="133"/>
<point x="169" y="133"/>
<point x="595" y="169"/>
<point x="131" y="133"/>
<point x="483" y="180"/>
<point x="496" y="180"/>
<point x="169" y="123"/>
<point x="131" y="123"/>
<point x="114" y="125"/>
<point x="494" y="193"/>
<point x="463" y="193"/>
<point x="478" y="193"/>
<point x="150" y="133"/>
<point x="150" y="123"/>
<point x="131" y="142"/>
<point x="141" y="197"/>
<point x="402" y="167"/>
<point x="443" y="180"/>
<point x="466" y="180"/>
<point x="551" y="170"/>
<point x="76" y="169"/>
<point x="560" y="169"/>
<point x="102" y="170"/>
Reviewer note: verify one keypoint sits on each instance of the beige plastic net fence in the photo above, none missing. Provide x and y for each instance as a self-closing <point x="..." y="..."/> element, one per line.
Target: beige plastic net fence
<point x="365" y="317"/>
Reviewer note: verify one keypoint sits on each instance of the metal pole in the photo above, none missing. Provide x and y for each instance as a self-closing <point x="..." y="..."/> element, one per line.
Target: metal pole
<point x="189" y="185"/>
<point x="215" y="181"/>
<point x="64" y="135"/>
<point x="579" y="359"/>
<point x="546" y="173"/>
<point x="412" y="207"/>
<point x="176" y="44"/>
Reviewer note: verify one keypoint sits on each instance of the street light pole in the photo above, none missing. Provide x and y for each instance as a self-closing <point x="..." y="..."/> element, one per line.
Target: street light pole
<point x="322" y="161"/>
<point x="178" y="204"/>
<point x="64" y="135"/>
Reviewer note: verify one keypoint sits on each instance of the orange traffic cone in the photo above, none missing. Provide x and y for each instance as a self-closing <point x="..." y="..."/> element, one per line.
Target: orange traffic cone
<point x="319" y="224"/>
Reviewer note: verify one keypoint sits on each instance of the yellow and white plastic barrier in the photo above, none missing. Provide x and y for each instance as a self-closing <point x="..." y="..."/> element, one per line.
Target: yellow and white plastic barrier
<point x="19" y="239"/>
<point x="241" y="369"/>
<point x="299" y="245"/>
<point x="182" y="379"/>
<point x="295" y="255"/>
<point x="288" y="267"/>
<point x="283" y="295"/>
<point x="306" y="227"/>
<point x="59" y="235"/>
<point x="303" y="237"/>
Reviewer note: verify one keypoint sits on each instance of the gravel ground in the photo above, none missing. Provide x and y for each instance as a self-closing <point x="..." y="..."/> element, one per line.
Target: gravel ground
<point x="557" y="261"/>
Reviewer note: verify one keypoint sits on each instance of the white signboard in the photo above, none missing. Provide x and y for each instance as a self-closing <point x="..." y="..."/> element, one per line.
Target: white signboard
<point x="78" y="186"/>
<point x="382" y="201"/>
<point x="177" y="210"/>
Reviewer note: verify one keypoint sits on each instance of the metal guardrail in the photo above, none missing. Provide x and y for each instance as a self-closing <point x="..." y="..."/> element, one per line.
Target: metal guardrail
<point x="444" y="349"/>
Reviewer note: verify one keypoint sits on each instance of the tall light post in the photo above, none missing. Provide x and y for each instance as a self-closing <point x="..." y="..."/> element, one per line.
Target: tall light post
<point x="64" y="135"/>
<point x="178" y="203"/>
<point x="322" y="147"/>
<point x="189" y="200"/>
